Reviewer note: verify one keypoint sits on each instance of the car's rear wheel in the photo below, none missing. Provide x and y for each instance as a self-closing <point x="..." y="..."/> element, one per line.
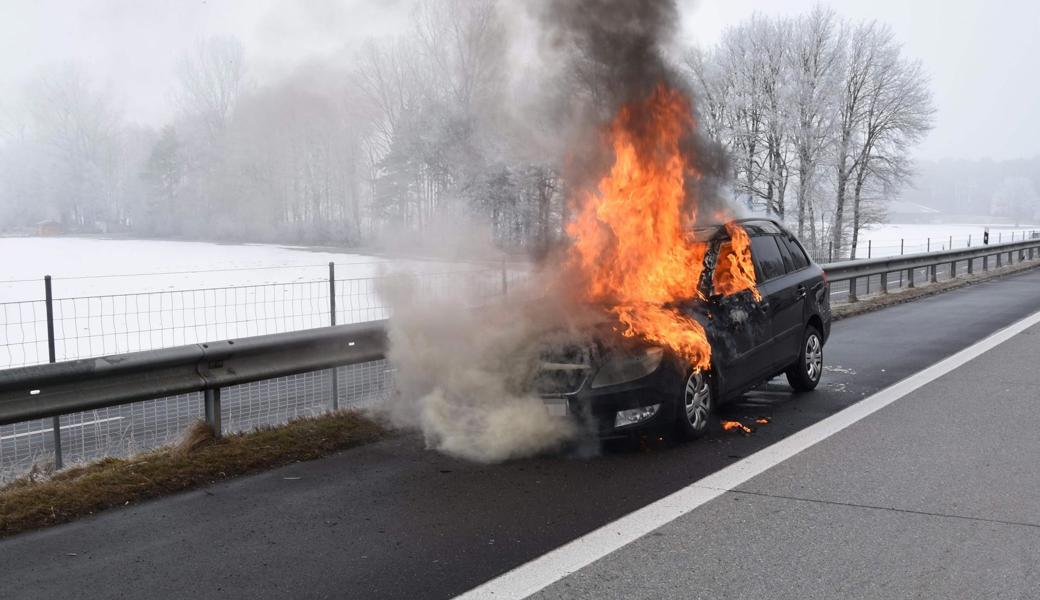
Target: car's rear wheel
<point x="698" y="404"/>
<point x="804" y="375"/>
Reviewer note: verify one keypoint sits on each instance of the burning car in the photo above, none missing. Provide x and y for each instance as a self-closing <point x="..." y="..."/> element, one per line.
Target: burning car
<point x="618" y="384"/>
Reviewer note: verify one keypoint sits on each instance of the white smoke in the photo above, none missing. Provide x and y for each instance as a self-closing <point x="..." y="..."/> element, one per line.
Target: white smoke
<point x="464" y="371"/>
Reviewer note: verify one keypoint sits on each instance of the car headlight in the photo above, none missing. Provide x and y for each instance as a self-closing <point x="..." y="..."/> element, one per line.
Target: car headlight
<point x="630" y="367"/>
<point x="635" y="415"/>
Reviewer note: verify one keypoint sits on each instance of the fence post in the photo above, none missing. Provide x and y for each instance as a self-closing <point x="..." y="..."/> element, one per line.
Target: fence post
<point x="1000" y="234"/>
<point x="969" y="240"/>
<point x="901" y="243"/>
<point x="869" y="244"/>
<point x="211" y="401"/>
<point x="928" y="248"/>
<point x="951" y="243"/>
<point x="56" y="422"/>
<point x="334" y="371"/>
<point x="830" y="251"/>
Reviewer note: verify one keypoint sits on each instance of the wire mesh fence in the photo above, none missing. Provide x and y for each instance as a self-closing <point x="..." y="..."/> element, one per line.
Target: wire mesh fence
<point x="101" y="325"/>
<point x="122" y="431"/>
<point x="824" y="252"/>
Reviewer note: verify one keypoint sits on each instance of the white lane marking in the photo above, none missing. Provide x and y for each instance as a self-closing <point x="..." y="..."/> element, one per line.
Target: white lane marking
<point x="63" y="428"/>
<point x="557" y="564"/>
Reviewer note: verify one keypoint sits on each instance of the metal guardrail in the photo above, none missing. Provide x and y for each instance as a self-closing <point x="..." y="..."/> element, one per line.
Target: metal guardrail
<point x="851" y="270"/>
<point x="51" y="390"/>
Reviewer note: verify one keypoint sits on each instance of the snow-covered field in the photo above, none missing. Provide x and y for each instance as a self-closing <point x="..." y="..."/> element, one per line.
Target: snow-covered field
<point x="885" y="239"/>
<point x="114" y="296"/>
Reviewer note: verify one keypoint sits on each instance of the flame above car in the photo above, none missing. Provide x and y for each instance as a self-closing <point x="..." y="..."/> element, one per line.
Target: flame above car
<point x="632" y="249"/>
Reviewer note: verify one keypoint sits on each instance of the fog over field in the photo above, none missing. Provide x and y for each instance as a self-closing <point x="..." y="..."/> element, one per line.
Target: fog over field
<point x="345" y="122"/>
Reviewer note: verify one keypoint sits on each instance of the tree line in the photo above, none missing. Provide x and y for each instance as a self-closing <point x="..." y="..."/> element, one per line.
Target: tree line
<point x="818" y="116"/>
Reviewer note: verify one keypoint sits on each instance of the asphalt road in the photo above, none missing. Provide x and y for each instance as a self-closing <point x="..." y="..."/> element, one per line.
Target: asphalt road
<point x="932" y="497"/>
<point x="392" y="520"/>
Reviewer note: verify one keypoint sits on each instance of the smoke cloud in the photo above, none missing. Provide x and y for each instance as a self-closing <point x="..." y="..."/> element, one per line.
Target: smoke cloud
<point x="465" y="361"/>
<point x="465" y="370"/>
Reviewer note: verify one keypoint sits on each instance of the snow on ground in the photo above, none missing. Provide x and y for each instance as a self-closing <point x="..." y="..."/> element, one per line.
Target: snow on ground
<point x="885" y="239"/>
<point x="115" y="296"/>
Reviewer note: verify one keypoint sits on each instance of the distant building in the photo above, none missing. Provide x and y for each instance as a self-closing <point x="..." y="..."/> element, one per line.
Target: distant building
<point x="48" y="228"/>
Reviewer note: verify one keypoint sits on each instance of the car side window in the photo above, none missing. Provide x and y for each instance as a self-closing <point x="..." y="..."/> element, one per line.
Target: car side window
<point x="798" y="257"/>
<point x="769" y="264"/>
<point x="785" y="253"/>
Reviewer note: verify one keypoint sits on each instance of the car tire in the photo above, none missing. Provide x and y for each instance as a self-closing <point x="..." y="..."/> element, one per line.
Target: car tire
<point x="804" y="375"/>
<point x="696" y="405"/>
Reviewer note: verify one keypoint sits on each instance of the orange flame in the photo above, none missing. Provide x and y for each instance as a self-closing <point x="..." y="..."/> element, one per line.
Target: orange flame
<point x="631" y="242"/>
<point x="734" y="271"/>
<point x="735" y="426"/>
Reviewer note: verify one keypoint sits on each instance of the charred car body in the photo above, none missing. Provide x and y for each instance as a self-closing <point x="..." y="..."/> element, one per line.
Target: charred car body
<point x="617" y="387"/>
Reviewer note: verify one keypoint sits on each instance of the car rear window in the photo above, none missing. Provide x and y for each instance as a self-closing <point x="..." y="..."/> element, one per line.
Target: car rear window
<point x="768" y="261"/>
<point x="798" y="257"/>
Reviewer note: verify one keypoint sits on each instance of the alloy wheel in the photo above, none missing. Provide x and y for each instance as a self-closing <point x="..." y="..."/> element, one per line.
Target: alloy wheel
<point x="813" y="356"/>
<point x="697" y="398"/>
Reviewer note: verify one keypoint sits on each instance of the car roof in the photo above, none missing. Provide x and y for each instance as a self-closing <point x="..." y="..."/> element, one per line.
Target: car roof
<point x="753" y="225"/>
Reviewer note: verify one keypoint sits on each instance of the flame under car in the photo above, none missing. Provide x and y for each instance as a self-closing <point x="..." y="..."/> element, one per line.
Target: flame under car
<point x="615" y="386"/>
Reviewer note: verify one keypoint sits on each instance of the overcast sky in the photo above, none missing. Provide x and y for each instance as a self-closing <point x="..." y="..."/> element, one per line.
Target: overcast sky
<point x="984" y="57"/>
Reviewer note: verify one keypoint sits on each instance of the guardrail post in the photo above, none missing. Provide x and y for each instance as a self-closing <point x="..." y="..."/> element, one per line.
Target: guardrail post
<point x="971" y="266"/>
<point x="211" y="400"/>
<point x="985" y="263"/>
<point x="1000" y="259"/>
<point x="935" y="274"/>
<point x="884" y="283"/>
<point x="852" y="290"/>
<point x="910" y="277"/>
<point x="333" y="372"/>
<point x="56" y="421"/>
<point x="830" y="251"/>
<point x="953" y="269"/>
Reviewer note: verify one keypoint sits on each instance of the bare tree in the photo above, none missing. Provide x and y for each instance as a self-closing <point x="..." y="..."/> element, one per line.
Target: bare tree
<point x="212" y="78"/>
<point x="897" y="114"/>
<point x="816" y="57"/>
<point x="79" y="128"/>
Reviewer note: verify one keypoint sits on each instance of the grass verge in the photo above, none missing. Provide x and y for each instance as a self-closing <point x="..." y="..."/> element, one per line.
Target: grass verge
<point x="198" y="459"/>
<point x="879" y="301"/>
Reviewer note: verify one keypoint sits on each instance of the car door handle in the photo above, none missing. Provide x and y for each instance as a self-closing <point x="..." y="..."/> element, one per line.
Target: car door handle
<point x="801" y="292"/>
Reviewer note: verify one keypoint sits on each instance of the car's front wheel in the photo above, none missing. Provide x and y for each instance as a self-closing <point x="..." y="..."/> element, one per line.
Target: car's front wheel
<point x="698" y="404"/>
<point x="804" y="375"/>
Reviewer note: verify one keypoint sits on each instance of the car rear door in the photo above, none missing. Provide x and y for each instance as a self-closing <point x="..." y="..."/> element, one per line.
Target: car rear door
<point x="789" y="304"/>
<point x="770" y="272"/>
